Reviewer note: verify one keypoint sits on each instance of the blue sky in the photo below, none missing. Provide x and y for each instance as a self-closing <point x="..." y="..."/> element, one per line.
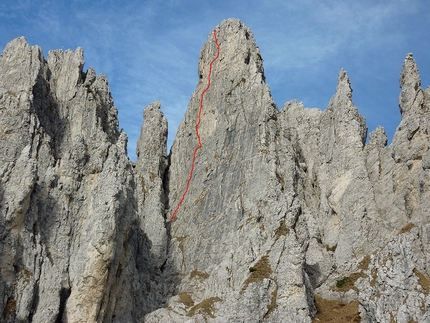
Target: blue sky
<point x="149" y="50"/>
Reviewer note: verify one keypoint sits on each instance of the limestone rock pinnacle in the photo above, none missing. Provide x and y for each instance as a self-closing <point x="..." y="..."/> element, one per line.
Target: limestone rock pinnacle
<point x="410" y="140"/>
<point x="410" y="83"/>
<point x="149" y="173"/>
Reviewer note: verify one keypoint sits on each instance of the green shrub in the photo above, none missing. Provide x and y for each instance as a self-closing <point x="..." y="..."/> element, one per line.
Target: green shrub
<point x="341" y="282"/>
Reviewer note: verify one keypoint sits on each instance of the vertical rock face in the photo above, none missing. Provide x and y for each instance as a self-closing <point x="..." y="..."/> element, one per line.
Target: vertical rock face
<point x="290" y="215"/>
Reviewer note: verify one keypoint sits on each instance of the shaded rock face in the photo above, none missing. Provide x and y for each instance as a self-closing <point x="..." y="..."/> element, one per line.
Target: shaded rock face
<point x="72" y="243"/>
<point x="290" y="215"/>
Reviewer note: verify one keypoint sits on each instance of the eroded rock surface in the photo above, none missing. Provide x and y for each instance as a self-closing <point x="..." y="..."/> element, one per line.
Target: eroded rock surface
<point x="290" y="217"/>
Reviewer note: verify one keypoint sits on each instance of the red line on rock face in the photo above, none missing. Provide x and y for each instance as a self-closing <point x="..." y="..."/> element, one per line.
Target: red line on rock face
<point x="197" y="130"/>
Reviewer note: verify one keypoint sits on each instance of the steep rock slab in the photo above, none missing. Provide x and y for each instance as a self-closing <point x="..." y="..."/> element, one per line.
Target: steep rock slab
<point x="237" y="214"/>
<point x="381" y="169"/>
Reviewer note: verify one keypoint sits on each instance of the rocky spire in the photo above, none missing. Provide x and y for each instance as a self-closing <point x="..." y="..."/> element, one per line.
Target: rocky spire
<point x="410" y="140"/>
<point x="149" y="173"/>
<point x="410" y="83"/>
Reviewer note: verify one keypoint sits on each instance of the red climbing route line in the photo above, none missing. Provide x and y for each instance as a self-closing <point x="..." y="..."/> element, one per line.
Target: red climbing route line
<point x="197" y="130"/>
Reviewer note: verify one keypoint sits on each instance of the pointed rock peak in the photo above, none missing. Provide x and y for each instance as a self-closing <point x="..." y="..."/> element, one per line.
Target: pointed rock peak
<point x="153" y="135"/>
<point x="410" y="83"/>
<point x="20" y="46"/>
<point x="344" y="84"/>
<point x="58" y="58"/>
<point x="233" y="29"/>
<point x="410" y="76"/>
<point x="342" y="100"/>
<point x="90" y="77"/>
<point x="239" y="52"/>
<point x="66" y="70"/>
<point x="20" y="42"/>
<point x="378" y="137"/>
<point x="150" y="109"/>
<point x="344" y="111"/>
<point x="26" y="62"/>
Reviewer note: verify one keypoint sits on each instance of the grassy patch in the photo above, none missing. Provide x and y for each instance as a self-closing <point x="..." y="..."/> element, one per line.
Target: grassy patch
<point x="407" y="228"/>
<point x="186" y="299"/>
<point x="181" y="241"/>
<point x="341" y="282"/>
<point x="201" y="197"/>
<point x="347" y="283"/>
<point x="195" y="273"/>
<point x="329" y="311"/>
<point x="10" y="308"/>
<point x="25" y="274"/>
<point x="423" y="281"/>
<point x="272" y="306"/>
<point x="260" y="271"/>
<point x="205" y="307"/>
<point x="208" y="168"/>
<point x="283" y="230"/>
<point x="374" y="276"/>
<point x="243" y="80"/>
<point x="364" y="264"/>
<point x="152" y="177"/>
<point x="332" y="249"/>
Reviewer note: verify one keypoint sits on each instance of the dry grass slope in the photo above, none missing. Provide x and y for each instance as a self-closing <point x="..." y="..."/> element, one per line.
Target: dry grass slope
<point x="259" y="271"/>
<point x="198" y="274"/>
<point x="205" y="307"/>
<point x="186" y="299"/>
<point x="330" y="311"/>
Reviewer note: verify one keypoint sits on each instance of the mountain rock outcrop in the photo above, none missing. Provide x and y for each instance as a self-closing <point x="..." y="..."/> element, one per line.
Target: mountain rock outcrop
<point x="290" y="217"/>
<point x="68" y="208"/>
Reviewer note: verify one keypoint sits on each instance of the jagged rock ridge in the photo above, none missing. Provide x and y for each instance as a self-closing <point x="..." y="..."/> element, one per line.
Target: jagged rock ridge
<point x="290" y="217"/>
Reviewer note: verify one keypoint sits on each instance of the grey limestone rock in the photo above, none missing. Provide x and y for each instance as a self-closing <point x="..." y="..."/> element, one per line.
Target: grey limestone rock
<point x="411" y="140"/>
<point x="290" y="215"/>
<point x="69" y="235"/>
<point x="149" y="174"/>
